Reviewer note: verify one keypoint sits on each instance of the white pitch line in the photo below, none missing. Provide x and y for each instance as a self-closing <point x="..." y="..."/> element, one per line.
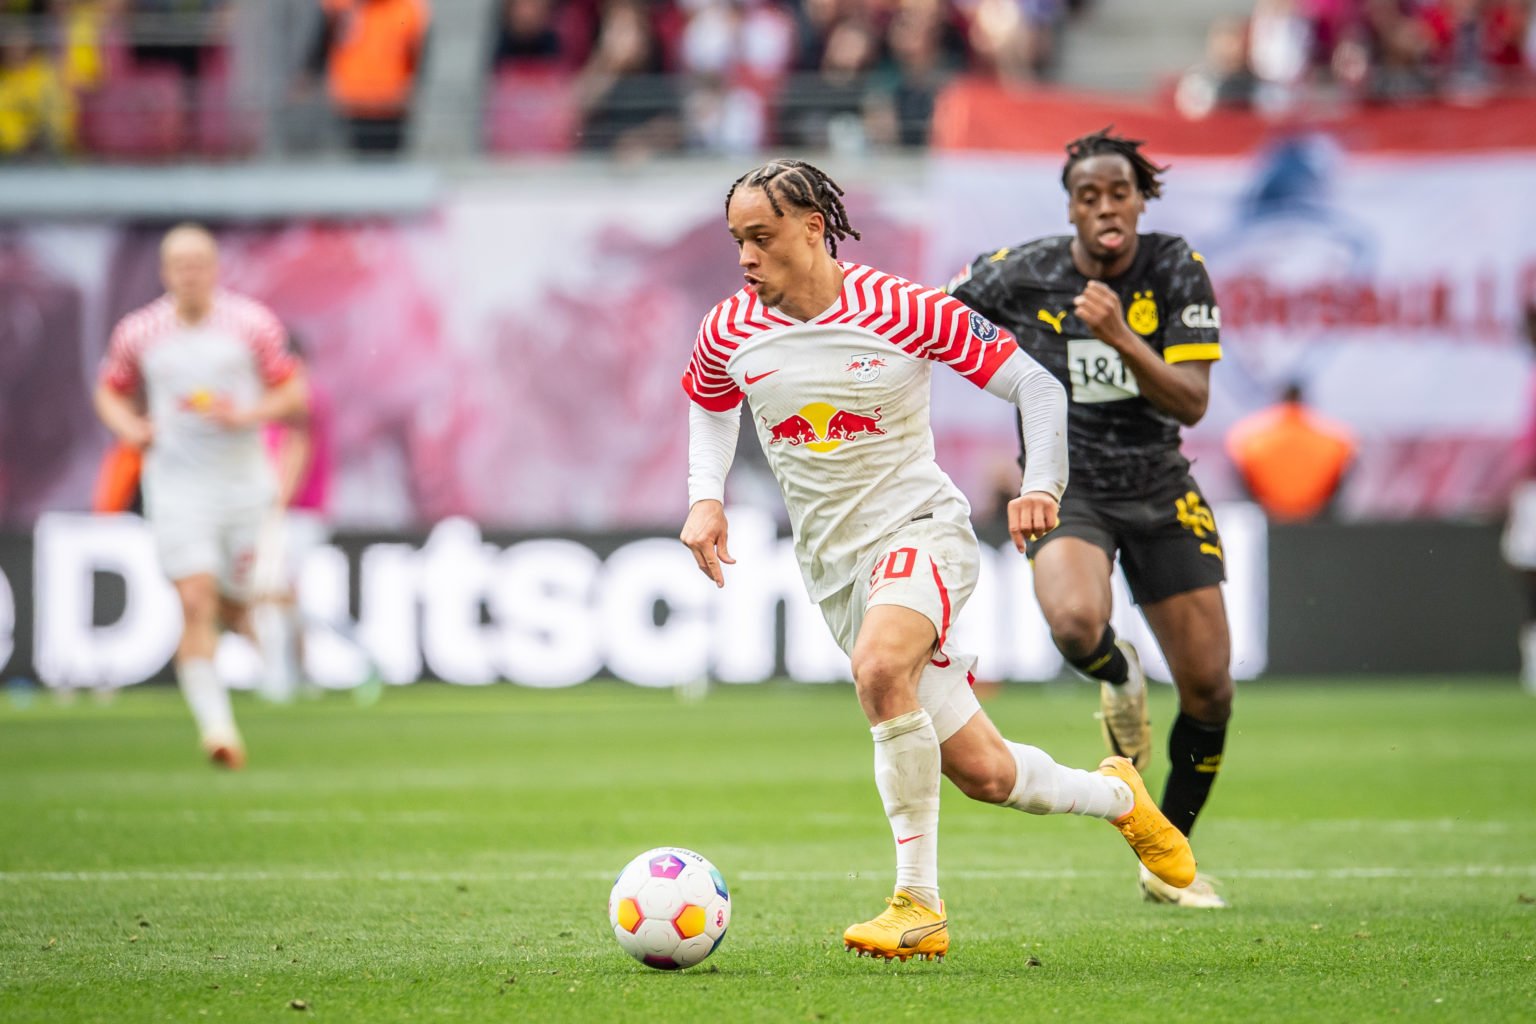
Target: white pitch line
<point x="1021" y="874"/>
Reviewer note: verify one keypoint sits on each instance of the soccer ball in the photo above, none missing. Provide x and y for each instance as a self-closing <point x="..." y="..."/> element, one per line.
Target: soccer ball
<point x="669" y="908"/>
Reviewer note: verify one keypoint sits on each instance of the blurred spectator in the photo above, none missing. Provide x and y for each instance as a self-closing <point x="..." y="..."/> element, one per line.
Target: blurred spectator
<point x="37" y="110"/>
<point x="1291" y="458"/>
<point x="1015" y="38"/>
<point x="1222" y="80"/>
<point x="827" y="108"/>
<point x="923" y="53"/>
<point x="178" y="34"/>
<point x="83" y="32"/>
<point x="370" y="53"/>
<point x="530" y="32"/>
<point x="735" y="54"/>
<point x="627" y="104"/>
<point x="1519" y="541"/>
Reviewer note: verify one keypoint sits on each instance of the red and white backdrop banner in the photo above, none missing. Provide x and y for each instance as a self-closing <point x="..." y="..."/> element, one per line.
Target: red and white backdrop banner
<point x="514" y="357"/>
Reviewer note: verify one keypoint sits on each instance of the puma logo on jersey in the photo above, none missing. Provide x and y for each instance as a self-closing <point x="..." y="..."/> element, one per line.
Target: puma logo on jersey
<point x="1053" y="319"/>
<point x="999" y="256"/>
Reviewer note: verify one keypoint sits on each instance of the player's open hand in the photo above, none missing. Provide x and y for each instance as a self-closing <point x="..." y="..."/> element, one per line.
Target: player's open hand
<point x="228" y="415"/>
<point x="704" y="533"/>
<point x="1031" y="516"/>
<point x="1099" y="307"/>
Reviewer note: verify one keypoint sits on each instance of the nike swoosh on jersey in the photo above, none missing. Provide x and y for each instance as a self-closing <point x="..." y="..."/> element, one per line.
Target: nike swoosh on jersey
<point x="753" y="380"/>
<point x="904" y="842"/>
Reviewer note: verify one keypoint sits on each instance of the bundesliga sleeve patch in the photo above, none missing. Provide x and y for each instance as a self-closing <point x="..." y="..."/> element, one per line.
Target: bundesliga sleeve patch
<point x="983" y="329"/>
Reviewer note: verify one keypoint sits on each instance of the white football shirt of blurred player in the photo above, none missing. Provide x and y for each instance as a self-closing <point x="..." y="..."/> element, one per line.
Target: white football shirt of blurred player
<point x="203" y="483"/>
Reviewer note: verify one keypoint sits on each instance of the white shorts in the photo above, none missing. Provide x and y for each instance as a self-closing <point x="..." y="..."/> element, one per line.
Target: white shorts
<point x="195" y="540"/>
<point x="931" y="568"/>
<point x="1519" y="542"/>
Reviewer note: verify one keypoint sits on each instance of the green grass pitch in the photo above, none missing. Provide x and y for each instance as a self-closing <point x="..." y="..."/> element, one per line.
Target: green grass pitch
<point x="446" y="855"/>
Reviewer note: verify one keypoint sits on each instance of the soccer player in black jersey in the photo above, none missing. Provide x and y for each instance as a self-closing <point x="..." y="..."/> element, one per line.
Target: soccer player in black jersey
<point x="1129" y="324"/>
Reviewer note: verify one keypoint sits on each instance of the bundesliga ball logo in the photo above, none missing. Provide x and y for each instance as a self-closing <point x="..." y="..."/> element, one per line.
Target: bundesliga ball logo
<point x="669" y="908"/>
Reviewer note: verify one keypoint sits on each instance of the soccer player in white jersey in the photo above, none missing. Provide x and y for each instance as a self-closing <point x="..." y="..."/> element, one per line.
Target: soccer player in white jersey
<point x="210" y="368"/>
<point x="833" y="359"/>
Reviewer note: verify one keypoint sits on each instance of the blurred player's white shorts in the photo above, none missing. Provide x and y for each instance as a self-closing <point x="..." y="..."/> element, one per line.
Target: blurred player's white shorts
<point x="287" y="538"/>
<point x="1519" y="543"/>
<point x="930" y="567"/>
<point x="192" y="540"/>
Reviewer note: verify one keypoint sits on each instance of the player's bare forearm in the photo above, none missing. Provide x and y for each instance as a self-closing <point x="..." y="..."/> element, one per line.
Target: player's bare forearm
<point x="1182" y="390"/>
<point x="705" y="533"/>
<point x="284" y="402"/>
<point x="121" y="415"/>
<point x="293" y="461"/>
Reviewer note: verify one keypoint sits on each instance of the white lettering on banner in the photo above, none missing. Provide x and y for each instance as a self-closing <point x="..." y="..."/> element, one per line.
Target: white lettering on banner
<point x="455" y="583"/>
<point x="7" y="619"/>
<point x="333" y="657"/>
<point x="1201" y="315"/>
<point x="542" y="598"/>
<point x="743" y="641"/>
<point x="68" y="551"/>
<point x="635" y="579"/>
<point x="551" y="613"/>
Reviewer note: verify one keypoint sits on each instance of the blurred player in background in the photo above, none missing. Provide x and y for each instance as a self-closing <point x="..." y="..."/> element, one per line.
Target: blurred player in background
<point x="300" y="450"/>
<point x="835" y="360"/>
<point x="211" y="367"/>
<point x="1519" y="540"/>
<point x="1128" y="323"/>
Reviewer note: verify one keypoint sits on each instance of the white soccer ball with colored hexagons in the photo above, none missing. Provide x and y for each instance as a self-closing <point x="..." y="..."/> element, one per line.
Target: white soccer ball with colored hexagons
<point x="669" y="908"/>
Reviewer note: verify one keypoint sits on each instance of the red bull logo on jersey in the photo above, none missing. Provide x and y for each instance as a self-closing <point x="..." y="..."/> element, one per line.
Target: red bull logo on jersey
<point x="865" y="367"/>
<point x="200" y="400"/>
<point x="822" y="427"/>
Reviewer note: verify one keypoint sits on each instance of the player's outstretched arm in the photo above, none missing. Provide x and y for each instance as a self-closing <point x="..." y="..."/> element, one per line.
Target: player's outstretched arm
<point x="705" y="534"/>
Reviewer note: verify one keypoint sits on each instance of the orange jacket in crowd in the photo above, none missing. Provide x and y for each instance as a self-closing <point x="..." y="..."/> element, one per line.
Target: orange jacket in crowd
<point x="1292" y="459"/>
<point x="371" y="68"/>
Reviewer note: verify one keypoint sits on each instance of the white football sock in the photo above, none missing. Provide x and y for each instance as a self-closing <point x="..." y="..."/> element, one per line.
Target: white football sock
<point x="907" y="775"/>
<point x="275" y="638"/>
<point x="209" y="700"/>
<point x="1045" y="787"/>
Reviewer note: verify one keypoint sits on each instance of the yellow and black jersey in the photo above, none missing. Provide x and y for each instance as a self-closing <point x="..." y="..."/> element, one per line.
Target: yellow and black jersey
<point x="1119" y="443"/>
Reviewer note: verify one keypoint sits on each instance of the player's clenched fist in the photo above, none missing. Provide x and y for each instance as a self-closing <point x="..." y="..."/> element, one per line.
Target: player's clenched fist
<point x="704" y="533"/>
<point x="1031" y="516"/>
<point x="1099" y="307"/>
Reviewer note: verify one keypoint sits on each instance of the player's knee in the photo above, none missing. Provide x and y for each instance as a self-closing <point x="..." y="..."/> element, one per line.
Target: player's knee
<point x="1076" y="630"/>
<point x="199" y="607"/>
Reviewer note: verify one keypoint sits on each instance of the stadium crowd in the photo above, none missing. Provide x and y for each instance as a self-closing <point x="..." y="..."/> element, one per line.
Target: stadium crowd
<point x="1292" y="53"/>
<point x="152" y="79"/>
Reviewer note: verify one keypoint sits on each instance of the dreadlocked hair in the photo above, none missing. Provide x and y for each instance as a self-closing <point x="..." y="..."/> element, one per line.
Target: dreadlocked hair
<point x="805" y="187"/>
<point x="1101" y="143"/>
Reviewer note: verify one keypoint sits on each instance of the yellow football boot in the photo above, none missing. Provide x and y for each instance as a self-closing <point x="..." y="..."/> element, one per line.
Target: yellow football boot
<point x="905" y="929"/>
<point x="1158" y="845"/>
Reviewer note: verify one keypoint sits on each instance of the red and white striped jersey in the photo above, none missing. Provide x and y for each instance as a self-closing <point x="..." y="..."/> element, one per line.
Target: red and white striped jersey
<point x="231" y="355"/>
<point x="841" y="404"/>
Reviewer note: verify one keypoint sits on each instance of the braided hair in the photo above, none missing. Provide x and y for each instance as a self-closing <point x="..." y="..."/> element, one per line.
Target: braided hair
<point x="803" y="186"/>
<point x="1102" y="143"/>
